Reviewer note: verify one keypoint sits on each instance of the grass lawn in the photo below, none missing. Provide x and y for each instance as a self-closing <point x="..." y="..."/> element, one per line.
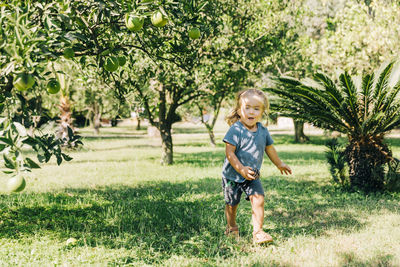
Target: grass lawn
<point x="126" y="209"/>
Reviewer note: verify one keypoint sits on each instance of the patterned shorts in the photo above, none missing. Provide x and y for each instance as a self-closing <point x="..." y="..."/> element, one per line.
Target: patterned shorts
<point x="233" y="190"/>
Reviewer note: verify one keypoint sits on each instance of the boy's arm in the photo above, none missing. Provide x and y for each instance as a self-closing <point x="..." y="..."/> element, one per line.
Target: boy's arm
<point x="245" y="171"/>
<point x="273" y="156"/>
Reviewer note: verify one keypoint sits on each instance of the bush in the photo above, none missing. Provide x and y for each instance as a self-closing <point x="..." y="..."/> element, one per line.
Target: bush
<point x="392" y="175"/>
<point x="338" y="167"/>
<point x="337" y="162"/>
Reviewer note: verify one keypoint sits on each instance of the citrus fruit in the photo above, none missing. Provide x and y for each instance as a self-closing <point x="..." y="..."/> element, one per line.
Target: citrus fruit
<point x="24" y="81"/>
<point x="133" y="22"/>
<point x="69" y="53"/>
<point x="194" y="33"/>
<point x="111" y="64"/>
<point x="158" y="19"/>
<point x="53" y="86"/>
<point x="16" y="184"/>
<point x="121" y="60"/>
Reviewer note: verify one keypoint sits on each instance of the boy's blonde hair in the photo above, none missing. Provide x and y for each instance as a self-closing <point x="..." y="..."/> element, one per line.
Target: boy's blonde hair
<point x="233" y="115"/>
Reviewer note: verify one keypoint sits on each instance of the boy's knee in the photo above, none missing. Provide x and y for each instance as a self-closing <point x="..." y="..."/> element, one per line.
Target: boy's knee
<point x="257" y="198"/>
<point x="231" y="207"/>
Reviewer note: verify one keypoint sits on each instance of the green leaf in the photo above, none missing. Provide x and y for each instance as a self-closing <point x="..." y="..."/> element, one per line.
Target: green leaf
<point x="6" y="141"/>
<point x="32" y="164"/>
<point x="66" y="157"/>
<point x="30" y="141"/>
<point x="59" y="159"/>
<point x="41" y="158"/>
<point x="70" y="133"/>
<point x="8" y="162"/>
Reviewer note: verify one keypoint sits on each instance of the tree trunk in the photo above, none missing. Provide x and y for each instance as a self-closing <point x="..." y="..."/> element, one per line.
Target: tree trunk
<point x="211" y="135"/>
<point x="366" y="159"/>
<point x="299" y="136"/>
<point x="210" y="125"/>
<point x="167" y="147"/>
<point x="138" y="124"/>
<point x="96" y="124"/>
<point x="65" y="119"/>
<point x="212" y="138"/>
<point x="96" y="118"/>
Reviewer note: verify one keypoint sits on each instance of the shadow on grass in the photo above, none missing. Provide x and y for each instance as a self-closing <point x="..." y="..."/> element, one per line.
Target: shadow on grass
<point x="108" y="137"/>
<point x="216" y="158"/>
<point x="124" y="147"/>
<point x="351" y="260"/>
<point x="321" y="140"/>
<point x="182" y="130"/>
<point x="308" y="156"/>
<point x="393" y="141"/>
<point x="161" y="219"/>
<point x="289" y="139"/>
<point x="200" y="159"/>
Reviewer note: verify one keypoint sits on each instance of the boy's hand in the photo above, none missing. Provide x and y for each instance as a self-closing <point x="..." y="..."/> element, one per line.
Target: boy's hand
<point x="248" y="173"/>
<point x="285" y="169"/>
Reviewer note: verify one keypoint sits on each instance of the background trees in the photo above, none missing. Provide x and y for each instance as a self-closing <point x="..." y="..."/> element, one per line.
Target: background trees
<point x="332" y="36"/>
<point x="35" y="33"/>
<point x="355" y="36"/>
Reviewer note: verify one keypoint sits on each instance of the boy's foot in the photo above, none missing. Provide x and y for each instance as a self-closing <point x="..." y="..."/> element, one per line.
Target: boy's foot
<point x="262" y="237"/>
<point x="232" y="231"/>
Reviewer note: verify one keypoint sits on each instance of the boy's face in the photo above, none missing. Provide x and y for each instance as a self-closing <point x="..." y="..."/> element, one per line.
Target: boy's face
<point x="250" y="111"/>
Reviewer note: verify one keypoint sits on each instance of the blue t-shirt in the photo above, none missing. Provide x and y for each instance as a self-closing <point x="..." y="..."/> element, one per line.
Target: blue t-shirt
<point x="250" y="147"/>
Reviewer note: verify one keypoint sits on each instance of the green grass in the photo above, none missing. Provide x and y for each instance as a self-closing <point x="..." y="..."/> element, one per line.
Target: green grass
<point x="126" y="209"/>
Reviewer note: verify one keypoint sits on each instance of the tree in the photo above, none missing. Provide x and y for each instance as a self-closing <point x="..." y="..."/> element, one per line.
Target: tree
<point x="24" y="54"/>
<point x="253" y="36"/>
<point x="363" y="109"/>
<point x="36" y="32"/>
<point x="332" y="36"/>
<point x="228" y="76"/>
<point x="94" y="97"/>
<point x="164" y="86"/>
<point x="162" y="89"/>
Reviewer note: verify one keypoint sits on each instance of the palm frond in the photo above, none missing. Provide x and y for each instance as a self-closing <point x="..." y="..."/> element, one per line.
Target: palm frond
<point x="330" y="88"/>
<point x="363" y="107"/>
<point x="290" y="81"/>
<point x="367" y="83"/>
<point x="394" y="78"/>
<point x="391" y="98"/>
<point x="350" y="91"/>
<point x="392" y="119"/>
<point x="381" y="84"/>
<point x="381" y="75"/>
<point x="372" y="123"/>
<point x="314" y="115"/>
<point x="300" y="96"/>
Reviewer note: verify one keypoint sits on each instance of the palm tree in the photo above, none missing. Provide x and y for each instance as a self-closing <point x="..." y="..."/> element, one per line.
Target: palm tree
<point x="364" y="108"/>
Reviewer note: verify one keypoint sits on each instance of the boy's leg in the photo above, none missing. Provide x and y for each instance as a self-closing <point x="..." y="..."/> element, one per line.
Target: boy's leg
<point x="257" y="206"/>
<point x="230" y="213"/>
<point x="232" y="193"/>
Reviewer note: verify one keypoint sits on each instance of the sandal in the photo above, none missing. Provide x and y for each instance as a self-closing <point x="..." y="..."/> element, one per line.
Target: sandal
<point x="232" y="231"/>
<point x="261" y="237"/>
